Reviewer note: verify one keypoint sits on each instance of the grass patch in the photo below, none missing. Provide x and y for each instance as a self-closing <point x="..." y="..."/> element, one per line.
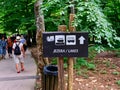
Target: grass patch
<point x="83" y="73"/>
<point x="118" y="54"/>
<point x="103" y="72"/>
<point x="115" y="73"/>
<point x="81" y="62"/>
<point x="118" y="82"/>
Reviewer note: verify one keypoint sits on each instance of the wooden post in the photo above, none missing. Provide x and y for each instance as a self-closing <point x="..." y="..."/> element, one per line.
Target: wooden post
<point x="70" y="59"/>
<point x="60" y="64"/>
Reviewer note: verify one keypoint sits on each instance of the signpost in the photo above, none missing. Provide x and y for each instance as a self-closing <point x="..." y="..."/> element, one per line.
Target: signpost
<point x="63" y="44"/>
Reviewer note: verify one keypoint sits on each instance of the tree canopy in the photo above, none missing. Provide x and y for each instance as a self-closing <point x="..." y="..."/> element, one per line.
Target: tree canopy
<point x="17" y="15"/>
<point x="98" y="17"/>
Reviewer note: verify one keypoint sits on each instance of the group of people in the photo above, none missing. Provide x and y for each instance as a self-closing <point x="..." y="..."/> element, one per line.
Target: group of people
<point x="15" y="47"/>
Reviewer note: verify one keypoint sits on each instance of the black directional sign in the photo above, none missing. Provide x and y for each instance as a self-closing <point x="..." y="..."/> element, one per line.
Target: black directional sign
<point x="60" y="44"/>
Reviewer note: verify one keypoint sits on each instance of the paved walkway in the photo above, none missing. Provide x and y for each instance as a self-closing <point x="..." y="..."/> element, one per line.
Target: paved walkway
<point x="10" y="80"/>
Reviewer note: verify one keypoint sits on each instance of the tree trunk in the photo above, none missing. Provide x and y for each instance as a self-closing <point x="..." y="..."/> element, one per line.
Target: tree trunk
<point x="40" y="28"/>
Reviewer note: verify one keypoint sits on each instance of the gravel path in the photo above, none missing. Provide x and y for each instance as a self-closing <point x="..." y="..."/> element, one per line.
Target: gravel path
<point x="10" y="80"/>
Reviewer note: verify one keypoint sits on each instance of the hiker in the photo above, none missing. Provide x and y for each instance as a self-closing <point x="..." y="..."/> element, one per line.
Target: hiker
<point x="19" y="54"/>
<point x="1" y="49"/>
<point x="4" y="47"/>
<point x="23" y="41"/>
<point x="9" y="47"/>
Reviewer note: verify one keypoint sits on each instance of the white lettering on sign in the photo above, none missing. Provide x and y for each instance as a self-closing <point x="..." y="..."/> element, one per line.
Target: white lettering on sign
<point x="59" y="51"/>
<point x="65" y="51"/>
<point x="72" y="50"/>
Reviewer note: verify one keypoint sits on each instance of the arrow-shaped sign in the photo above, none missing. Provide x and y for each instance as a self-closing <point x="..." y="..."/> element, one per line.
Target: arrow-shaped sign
<point x="81" y="40"/>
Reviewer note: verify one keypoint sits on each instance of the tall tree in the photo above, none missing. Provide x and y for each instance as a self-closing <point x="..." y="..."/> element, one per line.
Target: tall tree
<point x="40" y="28"/>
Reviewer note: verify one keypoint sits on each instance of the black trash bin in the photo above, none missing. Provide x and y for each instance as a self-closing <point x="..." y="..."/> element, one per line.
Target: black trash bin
<point x="50" y="77"/>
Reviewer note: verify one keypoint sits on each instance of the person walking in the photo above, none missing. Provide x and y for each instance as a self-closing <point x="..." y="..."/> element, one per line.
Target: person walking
<point x="1" y="49"/>
<point x="19" y="54"/>
<point x="23" y="41"/>
<point x="4" y="46"/>
<point x="9" y="47"/>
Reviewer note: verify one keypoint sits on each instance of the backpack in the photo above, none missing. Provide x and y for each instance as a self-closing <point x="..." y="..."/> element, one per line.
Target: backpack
<point x="17" y="50"/>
